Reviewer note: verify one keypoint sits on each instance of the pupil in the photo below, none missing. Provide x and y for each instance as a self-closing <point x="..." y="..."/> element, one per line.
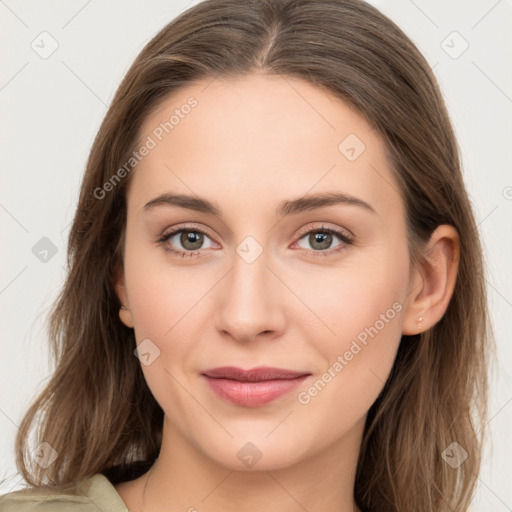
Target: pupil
<point x="191" y="237"/>
<point x="323" y="239"/>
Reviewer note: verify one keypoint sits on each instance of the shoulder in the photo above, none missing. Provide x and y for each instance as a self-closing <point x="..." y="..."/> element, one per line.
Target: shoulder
<point x="90" y="495"/>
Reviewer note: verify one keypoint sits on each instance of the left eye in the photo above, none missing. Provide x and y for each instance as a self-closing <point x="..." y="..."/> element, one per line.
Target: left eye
<point x="322" y="239"/>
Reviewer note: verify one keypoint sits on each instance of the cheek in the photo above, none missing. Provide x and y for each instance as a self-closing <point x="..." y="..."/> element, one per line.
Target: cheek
<point x="168" y="308"/>
<point x="361" y="304"/>
<point x="161" y="294"/>
<point x="352" y="298"/>
<point x="356" y="367"/>
<point x="163" y="301"/>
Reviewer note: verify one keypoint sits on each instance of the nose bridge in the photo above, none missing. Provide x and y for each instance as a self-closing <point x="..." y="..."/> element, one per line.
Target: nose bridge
<point x="249" y="304"/>
<point x="250" y="277"/>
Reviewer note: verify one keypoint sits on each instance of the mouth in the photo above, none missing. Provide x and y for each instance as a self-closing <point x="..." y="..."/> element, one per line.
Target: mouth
<point x="254" y="387"/>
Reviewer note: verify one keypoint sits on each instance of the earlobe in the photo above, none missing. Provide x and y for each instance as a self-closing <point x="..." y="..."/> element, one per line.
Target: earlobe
<point x="126" y="316"/>
<point x="432" y="286"/>
<point x="120" y="289"/>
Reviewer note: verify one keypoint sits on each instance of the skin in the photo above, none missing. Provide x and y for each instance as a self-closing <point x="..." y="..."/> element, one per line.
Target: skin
<point x="249" y="144"/>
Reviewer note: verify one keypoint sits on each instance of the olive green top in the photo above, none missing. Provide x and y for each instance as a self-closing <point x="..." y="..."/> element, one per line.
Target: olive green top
<point x="93" y="494"/>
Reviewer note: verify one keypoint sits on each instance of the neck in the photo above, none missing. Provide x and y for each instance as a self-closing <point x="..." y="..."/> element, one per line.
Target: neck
<point x="184" y="478"/>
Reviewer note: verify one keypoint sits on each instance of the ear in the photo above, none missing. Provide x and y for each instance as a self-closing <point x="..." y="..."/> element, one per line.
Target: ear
<point x="433" y="281"/>
<point x="120" y="288"/>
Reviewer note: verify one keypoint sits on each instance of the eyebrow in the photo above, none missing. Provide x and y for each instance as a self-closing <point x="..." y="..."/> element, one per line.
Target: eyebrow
<point x="287" y="207"/>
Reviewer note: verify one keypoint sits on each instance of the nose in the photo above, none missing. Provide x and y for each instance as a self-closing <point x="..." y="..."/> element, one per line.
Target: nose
<point x="250" y="301"/>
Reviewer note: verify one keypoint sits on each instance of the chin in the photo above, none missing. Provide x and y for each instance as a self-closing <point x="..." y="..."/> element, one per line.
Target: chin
<point x="256" y="452"/>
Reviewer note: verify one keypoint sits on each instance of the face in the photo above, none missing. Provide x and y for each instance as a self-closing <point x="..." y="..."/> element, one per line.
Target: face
<point x="267" y="276"/>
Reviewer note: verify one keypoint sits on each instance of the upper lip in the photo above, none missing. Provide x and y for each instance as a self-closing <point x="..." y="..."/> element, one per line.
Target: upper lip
<point x="260" y="373"/>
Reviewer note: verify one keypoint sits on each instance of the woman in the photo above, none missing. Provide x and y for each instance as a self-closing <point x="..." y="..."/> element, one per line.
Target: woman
<point x="275" y="296"/>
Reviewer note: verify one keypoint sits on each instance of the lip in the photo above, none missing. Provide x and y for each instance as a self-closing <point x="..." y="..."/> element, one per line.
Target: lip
<point x="253" y="387"/>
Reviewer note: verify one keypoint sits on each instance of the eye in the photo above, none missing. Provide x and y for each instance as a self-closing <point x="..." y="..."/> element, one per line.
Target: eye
<point x="190" y="239"/>
<point x="321" y="240"/>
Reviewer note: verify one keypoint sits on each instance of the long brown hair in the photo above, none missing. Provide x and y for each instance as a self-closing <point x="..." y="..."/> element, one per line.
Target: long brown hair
<point x="97" y="411"/>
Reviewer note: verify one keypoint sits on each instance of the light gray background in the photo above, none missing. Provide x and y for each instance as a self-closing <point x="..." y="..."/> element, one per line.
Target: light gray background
<point x="52" y="107"/>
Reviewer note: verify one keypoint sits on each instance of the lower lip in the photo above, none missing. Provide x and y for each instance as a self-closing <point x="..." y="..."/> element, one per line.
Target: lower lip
<point x="253" y="394"/>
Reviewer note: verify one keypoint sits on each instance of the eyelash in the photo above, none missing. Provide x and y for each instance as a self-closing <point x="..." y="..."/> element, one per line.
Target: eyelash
<point x="346" y="240"/>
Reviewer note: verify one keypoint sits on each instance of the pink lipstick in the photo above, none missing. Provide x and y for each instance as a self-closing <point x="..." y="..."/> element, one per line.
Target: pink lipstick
<point x="254" y="387"/>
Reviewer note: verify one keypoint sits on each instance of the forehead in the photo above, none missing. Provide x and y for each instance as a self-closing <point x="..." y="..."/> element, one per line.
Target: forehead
<point x="257" y="139"/>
